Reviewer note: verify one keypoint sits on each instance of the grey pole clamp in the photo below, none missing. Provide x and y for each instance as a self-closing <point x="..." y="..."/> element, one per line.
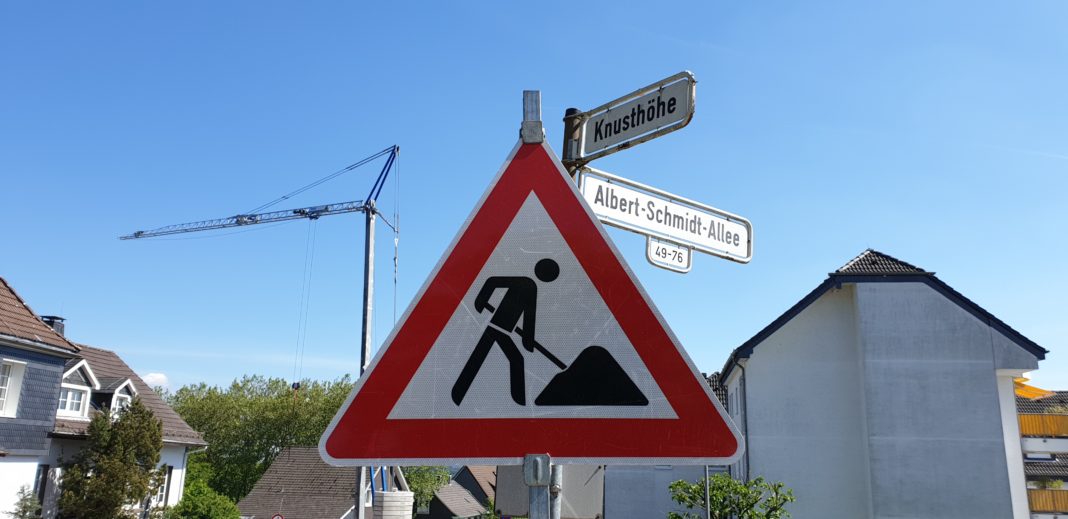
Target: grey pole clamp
<point x="531" y="131"/>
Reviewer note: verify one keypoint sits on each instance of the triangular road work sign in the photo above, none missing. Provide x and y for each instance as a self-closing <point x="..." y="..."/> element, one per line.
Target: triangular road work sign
<point x="531" y="336"/>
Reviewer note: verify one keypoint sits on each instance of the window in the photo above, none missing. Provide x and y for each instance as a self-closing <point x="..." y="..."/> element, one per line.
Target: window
<point x="72" y="401"/>
<point x="10" y="386"/>
<point x="5" y="381"/>
<point x="160" y="499"/>
<point x="40" y="482"/>
<point x="121" y="402"/>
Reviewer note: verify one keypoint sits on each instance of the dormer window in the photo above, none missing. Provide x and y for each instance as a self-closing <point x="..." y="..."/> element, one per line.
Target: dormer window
<point x="73" y="401"/>
<point x="120" y="391"/>
<point x="78" y="384"/>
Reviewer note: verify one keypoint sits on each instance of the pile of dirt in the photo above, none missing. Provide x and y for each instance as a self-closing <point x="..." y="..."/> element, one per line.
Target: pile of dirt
<point x="594" y="378"/>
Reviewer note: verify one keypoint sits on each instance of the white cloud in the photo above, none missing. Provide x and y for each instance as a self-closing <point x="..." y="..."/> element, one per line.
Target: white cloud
<point x="156" y="379"/>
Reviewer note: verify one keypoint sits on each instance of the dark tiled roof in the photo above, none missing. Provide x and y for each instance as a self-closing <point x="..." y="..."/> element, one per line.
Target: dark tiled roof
<point x="459" y="501"/>
<point x="108" y="366"/>
<point x="18" y="320"/>
<point x="300" y="485"/>
<point x="1041" y="405"/>
<point x="874" y="262"/>
<point x="486" y="477"/>
<point x="718" y="388"/>
<point x="110" y="384"/>
<point x="1055" y="469"/>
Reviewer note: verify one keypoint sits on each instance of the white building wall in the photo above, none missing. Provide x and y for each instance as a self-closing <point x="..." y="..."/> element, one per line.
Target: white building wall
<point x="933" y="414"/>
<point x="633" y="491"/>
<point x="15" y="471"/>
<point x="806" y="417"/>
<point x="64" y="450"/>
<point x="175" y="456"/>
<point x="1010" y="428"/>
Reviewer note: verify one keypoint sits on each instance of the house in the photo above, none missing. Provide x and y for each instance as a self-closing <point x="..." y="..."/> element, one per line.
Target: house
<point x="97" y="379"/>
<point x="32" y="360"/>
<point x="884" y="393"/>
<point x="1044" y="431"/>
<point x="453" y="501"/>
<point x="480" y="481"/>
<point x="50" y="388"/>
<point x="300" y="485"/>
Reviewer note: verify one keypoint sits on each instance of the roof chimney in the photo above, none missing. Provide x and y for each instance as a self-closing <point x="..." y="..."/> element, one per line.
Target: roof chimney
<point x="54" y="321"/>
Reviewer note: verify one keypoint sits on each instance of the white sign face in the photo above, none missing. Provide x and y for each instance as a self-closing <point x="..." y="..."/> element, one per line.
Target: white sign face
<point x="629" y="205"/>
<point x="667" y="255"/>
<point x="574" y="327"/>
<point x="647" y="113"/>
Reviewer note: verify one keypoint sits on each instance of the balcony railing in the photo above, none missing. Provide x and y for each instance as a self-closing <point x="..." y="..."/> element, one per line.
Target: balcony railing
<point x="1044" y="425"/>
<point x="1055" y="501"/>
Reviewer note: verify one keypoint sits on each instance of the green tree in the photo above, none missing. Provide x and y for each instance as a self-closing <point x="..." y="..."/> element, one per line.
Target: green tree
<point x="491" y="509"/>
<point x="199" y="501"/>
<point x="248" y="423"/>
<point x="728" y="497"/>
<point x="116" y="467"/>
<point x="26" y="505"/>
<point x="424" y="481"/>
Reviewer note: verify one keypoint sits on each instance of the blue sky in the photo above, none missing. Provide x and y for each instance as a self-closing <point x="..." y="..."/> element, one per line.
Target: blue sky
<point x="934" y="132"/>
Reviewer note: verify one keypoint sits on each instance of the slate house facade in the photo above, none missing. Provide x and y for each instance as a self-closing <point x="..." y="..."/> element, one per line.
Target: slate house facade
<point x="32" y="357"/>
<point x="50" y="388"/>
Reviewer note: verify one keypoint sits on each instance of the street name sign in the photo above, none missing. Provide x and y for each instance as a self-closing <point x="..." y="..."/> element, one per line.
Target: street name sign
<point x="531" y="336"/>
<point x="646" y="113"/>
<point x="646" y="210"/>
<point x="667" y="255"/>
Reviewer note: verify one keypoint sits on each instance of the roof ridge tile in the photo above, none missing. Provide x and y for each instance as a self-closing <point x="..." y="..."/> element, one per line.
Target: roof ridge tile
<point x="875" y="262"/>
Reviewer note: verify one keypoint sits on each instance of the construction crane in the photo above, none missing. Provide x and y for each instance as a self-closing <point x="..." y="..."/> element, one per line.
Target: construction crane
<point x="312" y="213"/>
<point x="365" y="206"/>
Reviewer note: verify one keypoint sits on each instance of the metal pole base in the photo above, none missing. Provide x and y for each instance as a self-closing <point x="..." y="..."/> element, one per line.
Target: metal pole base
<point x="537" y="474"/>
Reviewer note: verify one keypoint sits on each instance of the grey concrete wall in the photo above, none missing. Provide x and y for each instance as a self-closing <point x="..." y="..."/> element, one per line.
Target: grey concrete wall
<point x="641" y="492"/>
<point x="27" y="432"/>
<point x="583" y="492"/>
<point x="934" y="421"/>
<point x="806" y="412"/>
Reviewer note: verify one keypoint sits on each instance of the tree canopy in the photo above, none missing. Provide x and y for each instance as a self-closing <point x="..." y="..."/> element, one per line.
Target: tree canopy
<point x="424" y="481"/>
<point x="249" y="422"/>
<point x="728" y="497"/>
<point x="201" y="502"/>
<point x="117" y="465"/>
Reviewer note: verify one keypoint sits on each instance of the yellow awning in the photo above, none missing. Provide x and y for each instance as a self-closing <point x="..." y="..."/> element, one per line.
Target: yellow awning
<point x="1027" y="391"/>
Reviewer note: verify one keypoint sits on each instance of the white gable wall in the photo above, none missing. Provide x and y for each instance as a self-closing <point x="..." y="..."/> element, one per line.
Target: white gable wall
<point x="806" y="421"/>
<point x="881" y="399"/>
<point x="934" y="419"/>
